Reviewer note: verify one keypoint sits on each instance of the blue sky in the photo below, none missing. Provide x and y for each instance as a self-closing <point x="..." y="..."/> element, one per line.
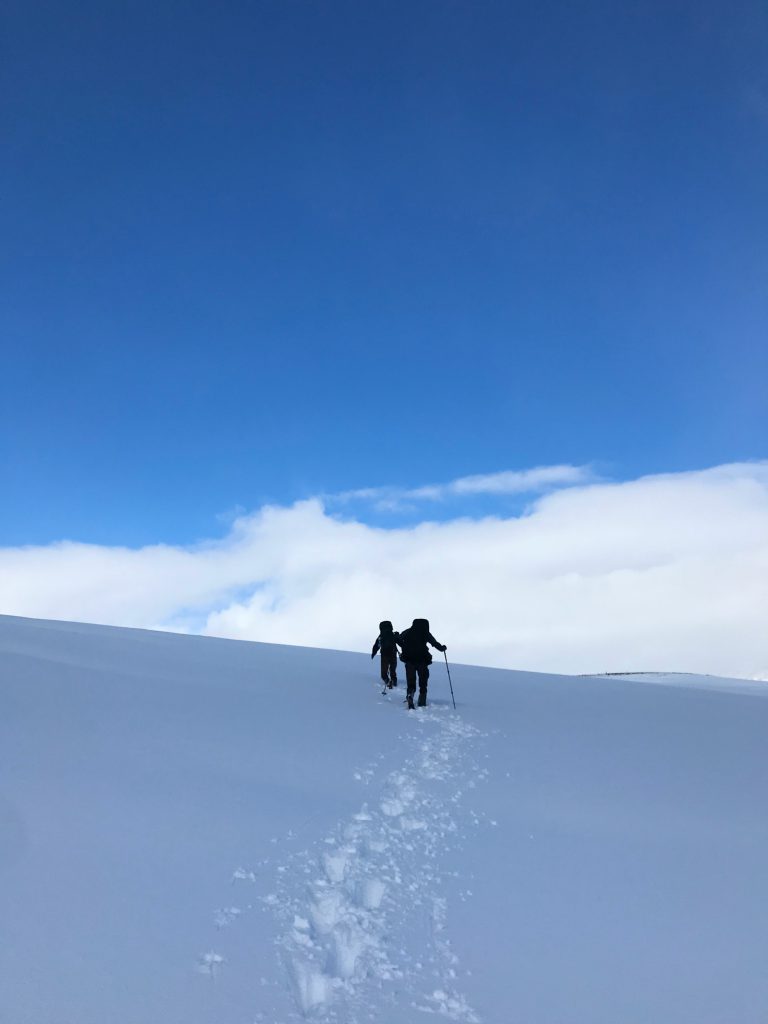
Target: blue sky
<point x="254" y="252"/>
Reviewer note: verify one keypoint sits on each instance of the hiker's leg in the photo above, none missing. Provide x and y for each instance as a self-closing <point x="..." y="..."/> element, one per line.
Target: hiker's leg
<point x="410" y="678"/>
<point x="423" y="679"/>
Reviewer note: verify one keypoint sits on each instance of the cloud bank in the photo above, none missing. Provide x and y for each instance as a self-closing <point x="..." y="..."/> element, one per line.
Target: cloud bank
<point x="665" y="572"/>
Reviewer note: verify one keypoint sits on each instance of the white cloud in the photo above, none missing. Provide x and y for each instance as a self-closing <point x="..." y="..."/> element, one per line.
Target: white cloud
<point x="665" y="572"/>
<point x="527" y="481"/>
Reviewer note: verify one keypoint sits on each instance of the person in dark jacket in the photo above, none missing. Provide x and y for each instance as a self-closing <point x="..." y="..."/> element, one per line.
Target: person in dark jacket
<point x="417" y="658"/>
<point x="386" y="642"/>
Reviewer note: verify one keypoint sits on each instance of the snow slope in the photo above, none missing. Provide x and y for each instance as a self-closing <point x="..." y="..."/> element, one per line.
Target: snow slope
<point x="202" y="831"/>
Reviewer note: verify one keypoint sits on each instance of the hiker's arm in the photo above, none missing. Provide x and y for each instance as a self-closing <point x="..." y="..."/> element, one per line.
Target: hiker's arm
<point x="375" y="647"/>
<point x="436" y="643"/>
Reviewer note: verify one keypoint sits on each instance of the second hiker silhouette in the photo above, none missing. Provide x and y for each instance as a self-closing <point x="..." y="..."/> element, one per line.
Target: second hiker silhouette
<point x="416" y="658"/>
<point x="386" y="642"/>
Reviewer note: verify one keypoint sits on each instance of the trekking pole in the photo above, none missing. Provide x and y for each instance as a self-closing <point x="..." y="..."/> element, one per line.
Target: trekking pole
<point x="449" y="679"/>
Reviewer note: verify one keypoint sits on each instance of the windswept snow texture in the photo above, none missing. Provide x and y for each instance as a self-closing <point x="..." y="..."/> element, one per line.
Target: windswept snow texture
<point x="201" y="831"/>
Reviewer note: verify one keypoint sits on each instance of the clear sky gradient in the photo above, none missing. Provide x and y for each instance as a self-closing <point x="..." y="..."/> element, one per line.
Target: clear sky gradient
<point x="257" y="251"/>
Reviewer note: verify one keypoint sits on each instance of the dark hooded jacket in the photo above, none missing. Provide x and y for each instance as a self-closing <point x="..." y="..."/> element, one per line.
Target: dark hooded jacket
<point x="414" y="642"/>
<point x="387" y="639"/>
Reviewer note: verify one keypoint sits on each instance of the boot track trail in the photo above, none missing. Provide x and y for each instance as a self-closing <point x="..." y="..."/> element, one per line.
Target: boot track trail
<point x="362" y="918"/>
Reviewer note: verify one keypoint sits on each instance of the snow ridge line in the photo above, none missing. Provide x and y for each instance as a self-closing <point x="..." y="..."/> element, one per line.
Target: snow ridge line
<point x="367" y="926"/>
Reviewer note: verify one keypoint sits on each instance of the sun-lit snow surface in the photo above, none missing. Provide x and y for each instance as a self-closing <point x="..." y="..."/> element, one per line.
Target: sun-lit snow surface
<point x="200" y="831"/>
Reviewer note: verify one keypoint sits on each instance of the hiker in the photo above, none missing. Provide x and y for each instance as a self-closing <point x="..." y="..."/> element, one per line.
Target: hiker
<point x="386" y="642"/>
<point x="417" y="658"/>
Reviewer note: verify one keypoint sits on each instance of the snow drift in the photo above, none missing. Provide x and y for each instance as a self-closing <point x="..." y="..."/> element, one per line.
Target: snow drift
<point x="202" y="831"/>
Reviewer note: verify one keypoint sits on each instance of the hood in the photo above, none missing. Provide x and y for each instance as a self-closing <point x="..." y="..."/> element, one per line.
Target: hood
<point x="385" y="626"/>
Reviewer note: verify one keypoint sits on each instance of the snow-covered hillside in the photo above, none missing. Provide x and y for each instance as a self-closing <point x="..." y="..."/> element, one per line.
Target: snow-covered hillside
<point x="201" y="831"/>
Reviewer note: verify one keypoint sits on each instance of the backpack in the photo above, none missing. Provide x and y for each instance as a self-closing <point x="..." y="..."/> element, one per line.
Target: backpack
<point x="414" y="643"/>
<point x="387" y="638"/>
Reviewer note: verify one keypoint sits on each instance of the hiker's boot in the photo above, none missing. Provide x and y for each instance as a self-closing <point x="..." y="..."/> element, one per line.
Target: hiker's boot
<point x="422" y="697"/>
<point x="409" y="699"/>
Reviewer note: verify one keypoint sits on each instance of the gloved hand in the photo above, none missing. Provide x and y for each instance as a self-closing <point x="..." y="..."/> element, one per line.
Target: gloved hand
<point x="373" y="656"/>
<point x="444" y="647"/>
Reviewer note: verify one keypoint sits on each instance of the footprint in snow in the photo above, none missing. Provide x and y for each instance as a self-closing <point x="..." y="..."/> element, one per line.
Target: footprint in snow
<point x="226" y="916"/>
<point x="210" y="963"/>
